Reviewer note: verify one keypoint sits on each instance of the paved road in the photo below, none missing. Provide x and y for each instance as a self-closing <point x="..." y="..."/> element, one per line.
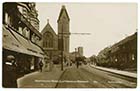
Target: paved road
<point x="88" y="77"/>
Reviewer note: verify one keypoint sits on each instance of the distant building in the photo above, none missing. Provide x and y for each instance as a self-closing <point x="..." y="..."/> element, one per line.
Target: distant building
<point x="77" y="53"/>
<point x="80" y="50"/>
<point x="73" y="56"/>
<point x="21" y="37"/>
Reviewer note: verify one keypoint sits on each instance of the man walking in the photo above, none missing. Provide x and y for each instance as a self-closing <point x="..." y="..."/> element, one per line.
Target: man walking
<point x="40" y="65"/>
<point x="77" y="62"/>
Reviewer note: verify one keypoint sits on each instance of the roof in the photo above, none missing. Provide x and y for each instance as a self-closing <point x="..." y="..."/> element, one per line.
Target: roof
<point x="10" y="42"/>
<point x="48" y="28"/>
<point x="63" y="9"/>
<point x="115" y="47"/>
<point x="129" y="38"/>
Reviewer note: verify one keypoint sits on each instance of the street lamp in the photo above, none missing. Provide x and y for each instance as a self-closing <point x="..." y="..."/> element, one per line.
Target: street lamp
<point x="75" y="54"/>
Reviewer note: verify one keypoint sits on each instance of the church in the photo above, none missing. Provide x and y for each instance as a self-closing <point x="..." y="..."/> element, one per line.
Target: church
<point x="53" y="44"/>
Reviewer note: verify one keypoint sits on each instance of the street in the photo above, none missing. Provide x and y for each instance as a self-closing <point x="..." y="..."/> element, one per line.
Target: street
<point x="87" y="77"/>
<point x="83" y="77"/>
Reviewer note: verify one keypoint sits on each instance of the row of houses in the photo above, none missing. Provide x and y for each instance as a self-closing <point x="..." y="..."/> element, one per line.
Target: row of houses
<point x="124" y="53"/>
<point x="121" y="55"/>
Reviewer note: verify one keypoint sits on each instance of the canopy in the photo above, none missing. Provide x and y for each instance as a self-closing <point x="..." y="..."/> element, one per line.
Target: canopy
<point x="15" y="42"/>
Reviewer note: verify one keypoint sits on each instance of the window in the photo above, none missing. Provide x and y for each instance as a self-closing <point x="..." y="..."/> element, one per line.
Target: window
<point x="24" y="31"/>
<point x="133" y="57"/>
<point x="6" y="18"/>
<point x="24" y="12"/>
<point x="28" y="34"/>
<point x="20" y="30"/>
<point x="48" y="40"/>
<point x="20" y="9"/>
<point x="37" y="40"/>
<point x="33" y="37"/>
<point x="116" y="60"/>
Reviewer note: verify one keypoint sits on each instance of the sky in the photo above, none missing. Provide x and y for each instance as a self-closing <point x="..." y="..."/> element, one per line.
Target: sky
<point x="107" y="23"/>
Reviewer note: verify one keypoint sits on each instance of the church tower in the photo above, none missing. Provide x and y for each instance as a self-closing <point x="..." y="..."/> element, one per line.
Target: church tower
<point x="63" y="30"/>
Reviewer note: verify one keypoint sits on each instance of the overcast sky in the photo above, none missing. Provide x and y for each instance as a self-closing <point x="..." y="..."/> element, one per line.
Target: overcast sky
<point x="108" y="23"/>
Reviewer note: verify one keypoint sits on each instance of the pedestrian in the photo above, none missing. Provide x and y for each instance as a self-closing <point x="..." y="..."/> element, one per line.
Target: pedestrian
<point x="70" y="63"/>
<point x="77" y="62"/>
<point x="67" y="64"/>
<point x="40" y="65"/>
<point x="10" y="72"/>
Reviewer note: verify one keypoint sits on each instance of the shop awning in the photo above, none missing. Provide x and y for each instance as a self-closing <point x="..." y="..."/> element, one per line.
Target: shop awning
<point x="36" y="48"/>
<point x="10" y="43"/>
<point x="18" y="43"/>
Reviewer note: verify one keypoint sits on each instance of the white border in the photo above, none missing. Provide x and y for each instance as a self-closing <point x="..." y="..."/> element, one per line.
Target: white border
<point x="83" y="1"/>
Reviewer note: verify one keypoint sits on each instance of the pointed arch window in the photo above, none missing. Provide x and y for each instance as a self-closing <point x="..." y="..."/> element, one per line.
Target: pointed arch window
<point x="48" y="40"/>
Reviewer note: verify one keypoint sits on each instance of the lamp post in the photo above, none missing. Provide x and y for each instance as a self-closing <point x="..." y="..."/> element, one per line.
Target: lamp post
<point x="75" y="54"/>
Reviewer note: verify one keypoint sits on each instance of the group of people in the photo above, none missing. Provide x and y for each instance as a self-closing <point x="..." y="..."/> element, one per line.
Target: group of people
<point x="10" y="72"/>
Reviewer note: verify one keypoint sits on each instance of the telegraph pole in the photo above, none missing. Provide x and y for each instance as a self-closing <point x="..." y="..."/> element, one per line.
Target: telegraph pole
<point x="62" y="49"/>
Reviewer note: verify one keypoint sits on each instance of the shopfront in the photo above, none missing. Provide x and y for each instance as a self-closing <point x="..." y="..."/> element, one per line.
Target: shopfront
<point x="26" y="53"/>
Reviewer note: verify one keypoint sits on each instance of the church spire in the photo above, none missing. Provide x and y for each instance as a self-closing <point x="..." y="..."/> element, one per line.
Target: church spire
<point x="63" y="12"/>
<point x="63" y="6"/>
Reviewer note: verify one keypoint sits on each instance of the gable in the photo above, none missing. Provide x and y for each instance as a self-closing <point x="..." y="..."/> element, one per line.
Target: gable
<point x="49" y="29"/>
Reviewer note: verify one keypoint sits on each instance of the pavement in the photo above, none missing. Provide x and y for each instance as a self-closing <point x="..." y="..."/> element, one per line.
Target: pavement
<point x="120" y="72"/>
<point x="47" y="79"/>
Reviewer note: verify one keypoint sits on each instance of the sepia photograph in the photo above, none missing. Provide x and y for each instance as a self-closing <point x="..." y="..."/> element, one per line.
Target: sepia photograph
<point x="69" y="45"/>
